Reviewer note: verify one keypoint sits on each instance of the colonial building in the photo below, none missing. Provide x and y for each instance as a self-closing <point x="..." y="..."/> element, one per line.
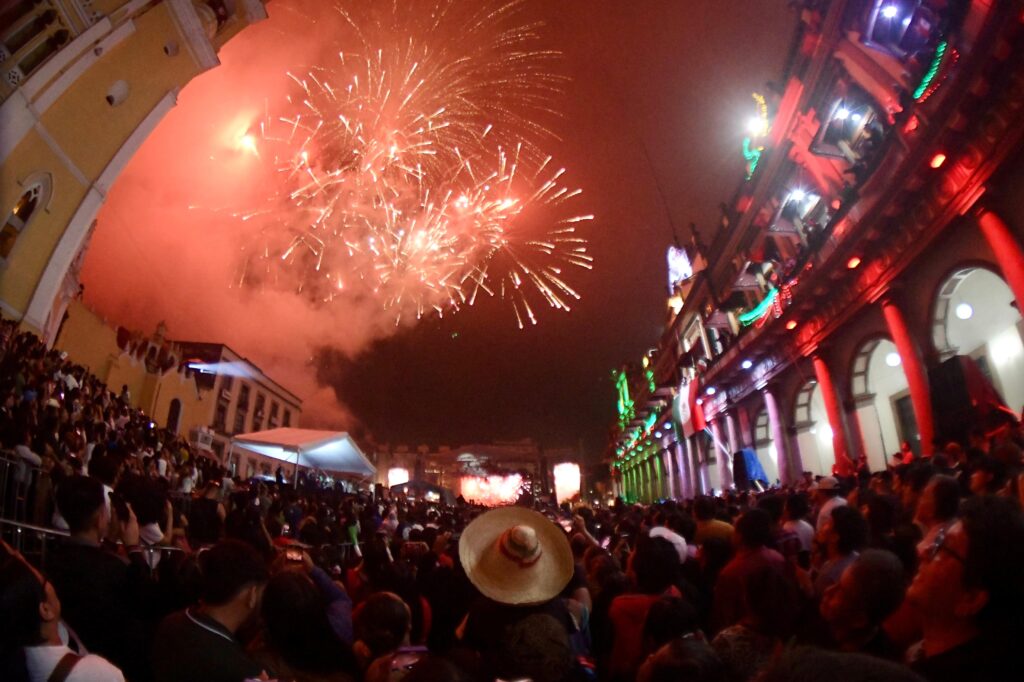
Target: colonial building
<point x="83" y="84"/>
<point x="864" y="288"/>
<point x="240" y="397"/>
<point x="205" y="391"/>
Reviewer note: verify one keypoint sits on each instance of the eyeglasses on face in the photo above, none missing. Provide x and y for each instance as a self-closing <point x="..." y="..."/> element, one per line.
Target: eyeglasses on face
<point x="939" y="545"/>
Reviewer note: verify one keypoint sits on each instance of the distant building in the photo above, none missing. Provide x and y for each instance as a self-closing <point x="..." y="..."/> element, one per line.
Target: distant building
<point x="206" y="391"/>
<point x="82" y="84"/>
<point x="446" y="466"/>
<point x="240" y="397"/>
<point x="864" y="286"/>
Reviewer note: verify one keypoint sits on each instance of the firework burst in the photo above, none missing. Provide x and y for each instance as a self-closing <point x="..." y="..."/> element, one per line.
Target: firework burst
<point x="411" y="169"/>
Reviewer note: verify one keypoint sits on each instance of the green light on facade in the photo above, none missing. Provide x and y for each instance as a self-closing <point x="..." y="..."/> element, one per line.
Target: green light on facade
<point x="933" y="70"/>
<point x="755" y="313"/>
<point x="752" y="155"/>
<point x="626" y="406"/>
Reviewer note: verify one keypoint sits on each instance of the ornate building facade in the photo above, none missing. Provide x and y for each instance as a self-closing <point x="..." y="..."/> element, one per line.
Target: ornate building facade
<point x="862" y="294"/>
<point x="83" y="84"/>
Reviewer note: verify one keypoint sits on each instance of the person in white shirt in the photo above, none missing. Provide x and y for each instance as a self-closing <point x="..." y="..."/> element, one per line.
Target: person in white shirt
<point x="794" y="521"/>
<point x="31" y="612"/>
<point x="826" y="497"/>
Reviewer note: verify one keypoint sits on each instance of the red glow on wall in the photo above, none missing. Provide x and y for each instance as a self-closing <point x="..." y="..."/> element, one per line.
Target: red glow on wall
<point x="853" y="263"/>
<point x="791" y="325"/>
<point x="912" y="124"/>
<point x="937" y="160"/>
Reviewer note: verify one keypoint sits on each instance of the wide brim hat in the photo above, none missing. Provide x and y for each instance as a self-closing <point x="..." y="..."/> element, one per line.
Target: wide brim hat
<point x="516" y="556"/>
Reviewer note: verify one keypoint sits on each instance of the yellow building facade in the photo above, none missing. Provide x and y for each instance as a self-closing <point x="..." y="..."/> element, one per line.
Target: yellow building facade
<point x="84" y="82"/>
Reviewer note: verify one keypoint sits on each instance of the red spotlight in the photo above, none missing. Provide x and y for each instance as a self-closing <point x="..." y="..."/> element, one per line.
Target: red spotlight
<point x="938" y="160"/>
<point x="791" y="325"/>
<point x="853" y="263"/>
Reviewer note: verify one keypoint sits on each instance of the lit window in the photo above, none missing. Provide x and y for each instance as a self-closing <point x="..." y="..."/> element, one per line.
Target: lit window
<point x="28" y="205"/>
<point x="902" y="28"/>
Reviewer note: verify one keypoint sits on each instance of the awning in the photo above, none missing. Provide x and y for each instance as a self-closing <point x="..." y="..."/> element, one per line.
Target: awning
<point x="333" y="451"/>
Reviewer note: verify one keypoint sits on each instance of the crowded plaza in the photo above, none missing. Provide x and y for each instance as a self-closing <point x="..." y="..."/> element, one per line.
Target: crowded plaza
<point x="417" y="404"/>
<point x="170" y="569"/>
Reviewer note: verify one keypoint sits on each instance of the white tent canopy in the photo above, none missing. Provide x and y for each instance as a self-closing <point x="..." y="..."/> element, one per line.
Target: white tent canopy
<point x="333" y="451"/>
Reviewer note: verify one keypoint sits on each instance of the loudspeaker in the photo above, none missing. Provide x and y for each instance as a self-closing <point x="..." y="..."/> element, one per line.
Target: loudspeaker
<point x="963" y="399"/>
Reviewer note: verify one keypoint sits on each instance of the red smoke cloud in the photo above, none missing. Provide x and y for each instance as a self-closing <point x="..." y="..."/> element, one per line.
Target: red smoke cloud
<point x="166" y="246"/>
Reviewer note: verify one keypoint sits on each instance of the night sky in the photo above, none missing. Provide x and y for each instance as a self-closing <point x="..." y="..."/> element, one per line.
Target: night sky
<point x="652" y="125"/>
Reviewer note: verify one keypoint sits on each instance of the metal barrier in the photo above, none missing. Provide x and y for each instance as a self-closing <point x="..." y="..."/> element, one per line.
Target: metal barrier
<point x="18" y="481"/>
<point x="33" y="542"/>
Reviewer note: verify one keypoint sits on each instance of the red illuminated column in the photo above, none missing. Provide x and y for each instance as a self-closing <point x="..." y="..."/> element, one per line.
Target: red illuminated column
<point x="914" y="370"/>
<point x="835" y="416"/>
<point x="1007" y="250"/>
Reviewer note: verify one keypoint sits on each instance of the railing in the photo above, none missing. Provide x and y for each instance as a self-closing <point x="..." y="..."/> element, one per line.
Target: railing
<point x="18" y="481"/>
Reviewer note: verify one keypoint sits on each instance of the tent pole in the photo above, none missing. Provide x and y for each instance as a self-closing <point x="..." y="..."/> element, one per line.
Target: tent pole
<point x="298" y="452"/>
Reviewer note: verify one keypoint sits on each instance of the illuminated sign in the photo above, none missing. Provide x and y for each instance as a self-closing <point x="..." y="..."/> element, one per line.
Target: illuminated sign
<point x="679" y="266"/>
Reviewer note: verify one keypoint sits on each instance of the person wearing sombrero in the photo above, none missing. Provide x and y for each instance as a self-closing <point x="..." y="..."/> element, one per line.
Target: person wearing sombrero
<point x="520" y="562"/>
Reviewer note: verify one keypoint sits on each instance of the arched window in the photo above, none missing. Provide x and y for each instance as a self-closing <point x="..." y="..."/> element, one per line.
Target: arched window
<point x="32" y="200"/>
<point x="174" y="416"/>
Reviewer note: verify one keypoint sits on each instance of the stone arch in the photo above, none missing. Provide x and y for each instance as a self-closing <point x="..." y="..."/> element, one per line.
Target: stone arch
<point x="974" y="314"/>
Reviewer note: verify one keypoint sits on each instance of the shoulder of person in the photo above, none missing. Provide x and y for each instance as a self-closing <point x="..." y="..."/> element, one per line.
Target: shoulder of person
<point x="92" y="668"/>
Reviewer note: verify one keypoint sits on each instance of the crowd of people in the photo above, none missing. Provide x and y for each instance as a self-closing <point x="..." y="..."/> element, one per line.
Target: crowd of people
<point x="179" y="572"/>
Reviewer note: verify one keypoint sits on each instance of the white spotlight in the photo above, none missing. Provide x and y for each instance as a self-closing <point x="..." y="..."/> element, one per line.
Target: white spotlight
<point x="711" y="390"/>
<point x="892" y="359"/>
<point x="746" y="364"/>
<point x="964" y="311"/>
<point x="798" y="195"/>
<point x="842" y="113"/>
<point x="890" y="11"/>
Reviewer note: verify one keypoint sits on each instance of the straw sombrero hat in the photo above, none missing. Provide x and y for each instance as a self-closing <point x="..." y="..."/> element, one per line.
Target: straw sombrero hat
<point x="516" y="556"/>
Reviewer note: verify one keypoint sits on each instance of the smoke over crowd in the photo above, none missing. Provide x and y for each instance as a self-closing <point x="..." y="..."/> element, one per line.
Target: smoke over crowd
<point x="166" y="246"/>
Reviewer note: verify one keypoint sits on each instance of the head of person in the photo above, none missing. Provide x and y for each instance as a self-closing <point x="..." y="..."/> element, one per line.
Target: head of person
<point x="382" y="624"/>
<point x="234" y="578"/>
<point x="655" y="565"/>
<point x="296" y="624"/>
<point x="988" y="475"/>
<point x="844" y="532"/>
<point x="867" y="592"/>
<point x="972" y="572"/>
<point x="753" y="530"/>
<point x="667" y="619"/>
<point x="29" y="604"/>
<point x="684" y="658"/>
<point x="704" y="508"/>
<point x="796" y="507"/>
<point x="535" y="648"/>
<point x="939" y="501"/>
<point x="825" y="489"/>
<point x="80" y="500"/>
